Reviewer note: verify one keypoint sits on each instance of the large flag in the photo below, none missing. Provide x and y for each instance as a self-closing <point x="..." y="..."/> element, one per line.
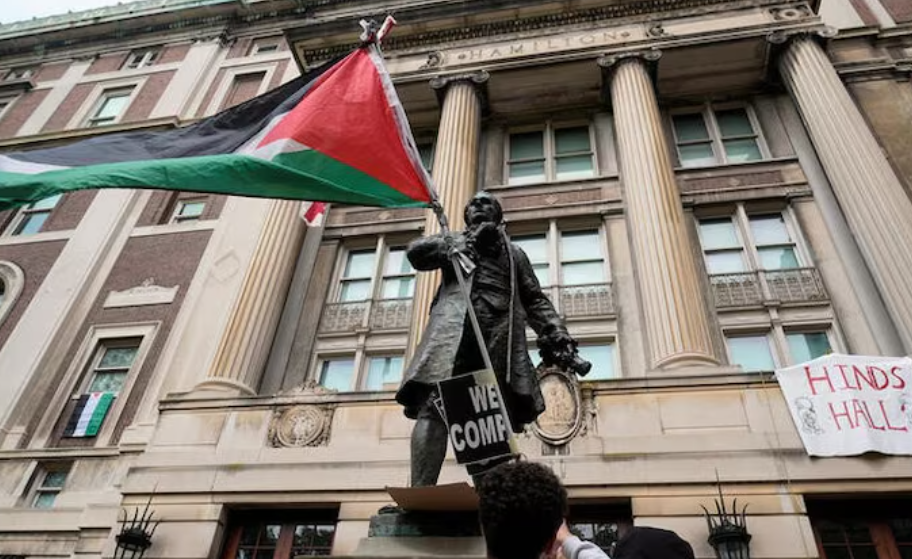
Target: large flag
<point x="336" y="134"/>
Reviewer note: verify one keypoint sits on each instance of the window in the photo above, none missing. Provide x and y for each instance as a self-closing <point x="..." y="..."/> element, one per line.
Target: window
<point x="31" y="217"/>
<point x="716" y="136"/>
<point x="50" y="480"/>
<point x="338" y="374"/>
<point x="602" y="358"/>
<point x="281" y="535"/>
<point x="105" y="379"/>
<point x="381" y="372"/>
<point x="5" y="103"/>
<point x="751" y="352"/>
<point x="426" y="151"/>
<point x="571" y="268"/>
<point x="806" y="346"/>
<point x="243" y="88"/>
<point x="735" y="244"/>
<point x="265" y="46"/>
<point x="396" y="279"/>
<point x="552" y="154"/>
<point x="110" y="107"/>
<point x="21" y="73"/>
<point x="862" y="528"/>
<point x="188" y="210"/>
<point x="140" y="58"/>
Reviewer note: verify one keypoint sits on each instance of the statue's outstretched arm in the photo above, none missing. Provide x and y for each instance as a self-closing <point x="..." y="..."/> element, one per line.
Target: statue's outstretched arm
<point x="428" y="253"/>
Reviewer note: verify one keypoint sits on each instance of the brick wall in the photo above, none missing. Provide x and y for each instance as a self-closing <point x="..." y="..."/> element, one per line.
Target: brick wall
<point x="108" y="63"/>
<point x="210" y="92"/>
<point x="35" y="260"/>
<point x="22" y="108"/>
<point x="279" y="73"/>
<point x="51" y="72"/>
<point x="170" y="260"/>
<point x="69" y="211"/>
<point x="864" y="12"/>
<point x="174" y="53"/>
<point x="161" y="205"/>
<point x="68" y="108"/>
<point x="240" y="47"/>
<point x="899" y="10"/>
<point x="148" y="96"/>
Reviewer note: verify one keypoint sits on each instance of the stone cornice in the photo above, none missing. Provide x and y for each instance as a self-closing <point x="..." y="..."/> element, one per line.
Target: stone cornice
<point x="639" y="10"/>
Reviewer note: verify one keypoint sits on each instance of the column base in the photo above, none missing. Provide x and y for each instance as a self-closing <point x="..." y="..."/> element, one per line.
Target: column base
<point x="688" y="360"/>
<point x="222" y="387"/>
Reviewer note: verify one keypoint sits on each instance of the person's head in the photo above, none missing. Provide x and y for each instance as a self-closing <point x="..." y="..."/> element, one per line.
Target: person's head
<point x="644" y="542"/>
<point x="483" y="207"/>
<point x="522" y="505"/>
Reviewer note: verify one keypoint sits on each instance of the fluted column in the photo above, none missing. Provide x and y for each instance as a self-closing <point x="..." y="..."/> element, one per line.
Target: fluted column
<point x="870" y="194"/>
<point x="244" y="346"/>
<point x="676" y="319"/>
<point x="455" y="172"/>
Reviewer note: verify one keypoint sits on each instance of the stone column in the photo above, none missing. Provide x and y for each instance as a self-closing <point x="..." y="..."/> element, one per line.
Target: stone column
<point x="455" y="172"/>
<point x="246" y="340"/>
<point x="675" y="315"/>
<point x="871" y="196"/>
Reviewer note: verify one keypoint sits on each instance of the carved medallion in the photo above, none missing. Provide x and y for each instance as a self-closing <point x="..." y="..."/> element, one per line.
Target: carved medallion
<point x="562" y="418"/>
<point x="300" y="426"/>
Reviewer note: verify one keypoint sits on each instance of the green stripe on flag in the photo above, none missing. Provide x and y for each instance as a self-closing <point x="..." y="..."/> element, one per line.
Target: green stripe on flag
<point x="98" y="414"/>
<point x="299" y="175"/>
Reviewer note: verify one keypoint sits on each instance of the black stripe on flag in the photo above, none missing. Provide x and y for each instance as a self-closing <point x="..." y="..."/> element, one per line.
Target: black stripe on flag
<point x="74" y="417"/>
<point x="224" y="132"/>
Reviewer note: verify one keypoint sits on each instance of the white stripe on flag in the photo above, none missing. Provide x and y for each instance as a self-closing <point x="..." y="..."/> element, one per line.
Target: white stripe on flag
<point x="11" y="165"/>
<point x="86" y="414"/>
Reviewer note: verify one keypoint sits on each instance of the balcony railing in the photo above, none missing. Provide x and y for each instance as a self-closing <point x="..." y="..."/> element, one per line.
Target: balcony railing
<point x="386" y="314"/>
<point x="798" y="285"/>
<point x="595" y="299"/>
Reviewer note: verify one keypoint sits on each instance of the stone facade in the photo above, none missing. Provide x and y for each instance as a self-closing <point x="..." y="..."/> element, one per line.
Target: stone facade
<point x="644" y="153"/>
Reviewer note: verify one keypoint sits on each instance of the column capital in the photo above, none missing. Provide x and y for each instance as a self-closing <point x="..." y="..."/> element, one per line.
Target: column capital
<point x="609" y="63"/>
<point x="479" y="81"/>
<point x="785" y="36"/>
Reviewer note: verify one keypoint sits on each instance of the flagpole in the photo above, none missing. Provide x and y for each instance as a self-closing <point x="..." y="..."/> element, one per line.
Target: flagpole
<point x="371" y="36"/>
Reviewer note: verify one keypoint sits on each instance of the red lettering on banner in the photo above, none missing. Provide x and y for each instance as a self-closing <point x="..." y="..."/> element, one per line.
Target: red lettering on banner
<point x="887" y="419"/>
<point x="901" y="382"/>
<point x="871" y="421"/>
<point x="812" y="379"/>
<point x="845" y="379"/>
<point x="858" y="410"/>
<point x="845" y="414"/>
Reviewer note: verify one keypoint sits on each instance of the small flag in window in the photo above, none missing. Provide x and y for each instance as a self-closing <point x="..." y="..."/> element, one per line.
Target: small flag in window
<point x="89" y="414"/>
<point x="313" y="212"/>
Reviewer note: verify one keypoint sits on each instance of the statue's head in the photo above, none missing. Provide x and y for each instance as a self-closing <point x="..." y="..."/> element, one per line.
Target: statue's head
<point x="483" y="207"/>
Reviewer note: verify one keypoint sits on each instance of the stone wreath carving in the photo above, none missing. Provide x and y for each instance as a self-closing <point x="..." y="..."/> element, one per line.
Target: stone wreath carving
<point x="301" y="426"/>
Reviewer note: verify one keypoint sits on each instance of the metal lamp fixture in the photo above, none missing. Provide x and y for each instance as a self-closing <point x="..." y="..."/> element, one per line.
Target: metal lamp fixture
<point x="728" y="530"/>
<point x="135" y="535"/>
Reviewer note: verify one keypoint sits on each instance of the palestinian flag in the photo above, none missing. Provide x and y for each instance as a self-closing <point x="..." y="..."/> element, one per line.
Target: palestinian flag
<point x="89" y="414"/>
<point x="337" y="134"/>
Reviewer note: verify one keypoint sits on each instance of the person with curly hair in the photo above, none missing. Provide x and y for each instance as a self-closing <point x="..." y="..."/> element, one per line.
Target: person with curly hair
<point x="522" y="506"/>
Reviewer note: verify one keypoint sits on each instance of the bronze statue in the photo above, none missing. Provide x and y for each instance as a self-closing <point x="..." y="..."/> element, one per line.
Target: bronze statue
<point x="505" y="294"/>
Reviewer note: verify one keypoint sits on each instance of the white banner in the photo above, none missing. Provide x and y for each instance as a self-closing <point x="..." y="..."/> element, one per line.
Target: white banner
<point x="844" y="405"/>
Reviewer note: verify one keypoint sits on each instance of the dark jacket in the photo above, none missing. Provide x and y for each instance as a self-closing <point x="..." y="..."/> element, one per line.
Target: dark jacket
<point x="643" y="542"/>
<point x="448" y="346"/>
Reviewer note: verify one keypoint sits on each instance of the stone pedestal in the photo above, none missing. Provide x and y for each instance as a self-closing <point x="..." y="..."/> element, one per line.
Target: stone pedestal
<point x="423" y="534"/>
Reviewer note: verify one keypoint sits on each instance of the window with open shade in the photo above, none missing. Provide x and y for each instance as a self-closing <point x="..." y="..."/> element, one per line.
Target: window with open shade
<point x="752" y="353"/>
<point x="806" y="346"/>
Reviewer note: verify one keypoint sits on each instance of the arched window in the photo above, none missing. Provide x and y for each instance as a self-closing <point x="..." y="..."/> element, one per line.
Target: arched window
<point x="11" y="282"/>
